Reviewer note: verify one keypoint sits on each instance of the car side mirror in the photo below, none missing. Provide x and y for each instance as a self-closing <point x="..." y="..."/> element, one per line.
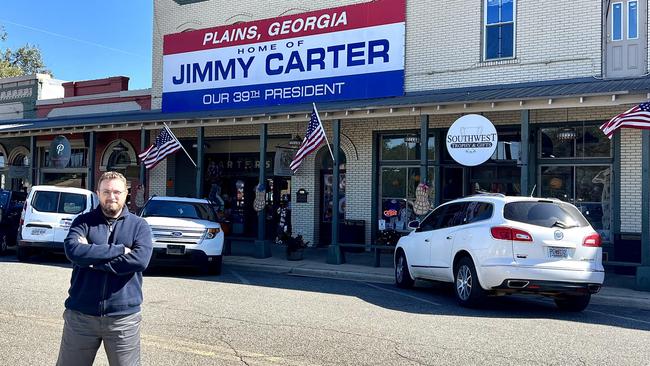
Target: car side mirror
<point x="415" y="224"/>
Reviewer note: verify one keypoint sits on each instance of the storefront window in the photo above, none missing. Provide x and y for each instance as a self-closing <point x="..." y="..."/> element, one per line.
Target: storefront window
<point x="557" y="182"/>
<point x="393" y="182"/>
<point x="578" y="180"/>
<point x="587" y="187"/>
<point x="593" y="143"/>
<point x="397" y="148"/>
<point x="572" y="142"/>
<point x="496" y="179"/>
<point x="119" y="160"/>
<point x="328" y="197"/>
<point x="398" y="186"/>
<point x="77" y="159"/>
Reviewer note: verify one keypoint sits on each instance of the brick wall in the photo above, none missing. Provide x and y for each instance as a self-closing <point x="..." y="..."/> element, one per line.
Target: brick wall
<point x="443" y="50"/>
<point x="630" y="180"/>
<point x="443" y="39"/>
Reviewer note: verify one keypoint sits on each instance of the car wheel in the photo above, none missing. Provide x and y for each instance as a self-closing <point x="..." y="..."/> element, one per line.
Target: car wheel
<point x="573" y="302"/>
<point x="4" y="243"/>
<point x="213" y="267"/>
<point x="22" y="254"/>
<point x="469" y="292"/>
<point x="402" y="275"/>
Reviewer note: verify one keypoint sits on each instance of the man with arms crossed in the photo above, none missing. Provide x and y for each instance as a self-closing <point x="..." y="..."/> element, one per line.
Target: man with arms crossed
<point x="109" y="248"/>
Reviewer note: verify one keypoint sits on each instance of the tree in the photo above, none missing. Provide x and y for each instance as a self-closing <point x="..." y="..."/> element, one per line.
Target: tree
<point x="23" y="61"/>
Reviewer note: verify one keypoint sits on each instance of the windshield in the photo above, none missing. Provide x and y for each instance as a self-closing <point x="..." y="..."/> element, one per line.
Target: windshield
<point x="545" y="213"/>
<point x="183" y="210"/>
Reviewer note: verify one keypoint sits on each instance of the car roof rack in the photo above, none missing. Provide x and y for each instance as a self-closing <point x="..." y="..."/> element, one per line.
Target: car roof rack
<point x="485" y="193"/>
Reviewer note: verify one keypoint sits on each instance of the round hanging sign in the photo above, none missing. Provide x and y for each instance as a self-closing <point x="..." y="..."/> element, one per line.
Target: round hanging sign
<point x="471" y="140"/>
<point x="60" y="152"/>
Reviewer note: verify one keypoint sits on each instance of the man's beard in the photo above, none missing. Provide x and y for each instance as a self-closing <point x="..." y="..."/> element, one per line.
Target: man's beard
<point x="111" y="209"/>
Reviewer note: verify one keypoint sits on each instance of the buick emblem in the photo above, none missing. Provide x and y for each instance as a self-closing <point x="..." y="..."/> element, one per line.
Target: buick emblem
<point x="558" y="235"/>
<point x="178" y="234"/>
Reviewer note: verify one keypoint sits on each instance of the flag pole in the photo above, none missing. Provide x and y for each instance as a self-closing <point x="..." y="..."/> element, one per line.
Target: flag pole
<point x="174" y="136"/>
<point x="324" y="134"/>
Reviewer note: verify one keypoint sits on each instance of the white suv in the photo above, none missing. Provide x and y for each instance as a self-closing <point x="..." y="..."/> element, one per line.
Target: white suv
<point x="185" y="232"/>
<point x="495" y="244"/>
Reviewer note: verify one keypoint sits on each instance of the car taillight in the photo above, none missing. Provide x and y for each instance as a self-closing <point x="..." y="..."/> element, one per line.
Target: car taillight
<point x="592" y="240"/>
<point x="22" y="214"/>
<point x="508" y="233"/>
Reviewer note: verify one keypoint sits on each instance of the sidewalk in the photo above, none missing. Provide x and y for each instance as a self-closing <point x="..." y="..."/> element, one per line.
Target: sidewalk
<point x="359" y="267"/>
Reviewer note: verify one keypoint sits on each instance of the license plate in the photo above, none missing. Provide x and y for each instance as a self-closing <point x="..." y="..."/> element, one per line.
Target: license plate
<point x="176" y="249"/>
<point x="557" y="252"/>
<point x="38" y="231"/>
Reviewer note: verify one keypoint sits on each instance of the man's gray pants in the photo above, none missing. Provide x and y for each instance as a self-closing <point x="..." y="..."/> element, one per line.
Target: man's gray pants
<point x="83" y="334"/>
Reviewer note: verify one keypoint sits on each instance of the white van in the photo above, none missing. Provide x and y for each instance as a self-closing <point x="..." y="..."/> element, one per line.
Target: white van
<point x="47" y="216"/>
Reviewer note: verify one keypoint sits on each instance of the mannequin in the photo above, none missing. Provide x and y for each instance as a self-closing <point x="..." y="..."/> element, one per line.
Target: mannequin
<point x="604" y="177"/>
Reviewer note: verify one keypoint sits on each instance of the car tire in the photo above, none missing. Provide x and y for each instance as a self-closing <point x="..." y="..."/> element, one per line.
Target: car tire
<point x="573" y="303"/>
<point x="22" y="254"/>
<point x="213" y="267"/>
<point x="403" y="277"/>
<point x="468" y="290"/>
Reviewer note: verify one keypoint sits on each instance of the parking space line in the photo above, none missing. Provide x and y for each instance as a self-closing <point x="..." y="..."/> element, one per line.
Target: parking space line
<point x="240" y="278"/>
<point x="618" y="316"/>
<point x="403" y="294"/>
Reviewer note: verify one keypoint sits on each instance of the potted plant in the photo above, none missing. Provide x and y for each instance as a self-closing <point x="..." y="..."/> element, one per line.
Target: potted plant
<point x="295" y="245"/>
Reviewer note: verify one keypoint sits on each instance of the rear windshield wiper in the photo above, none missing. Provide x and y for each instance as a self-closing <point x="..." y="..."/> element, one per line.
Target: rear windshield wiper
<point x="562" y="224"/>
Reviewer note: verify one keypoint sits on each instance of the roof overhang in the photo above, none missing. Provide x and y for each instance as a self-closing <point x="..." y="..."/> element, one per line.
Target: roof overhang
<point x="563" y="94"/>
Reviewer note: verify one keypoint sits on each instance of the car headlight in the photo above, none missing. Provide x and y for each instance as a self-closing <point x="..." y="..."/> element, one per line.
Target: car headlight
<point x="211" y="233"/>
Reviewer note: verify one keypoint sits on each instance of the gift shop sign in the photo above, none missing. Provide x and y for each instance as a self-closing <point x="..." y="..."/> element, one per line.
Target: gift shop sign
<point x="471" y="140"/>
<point x="349" y="52"/>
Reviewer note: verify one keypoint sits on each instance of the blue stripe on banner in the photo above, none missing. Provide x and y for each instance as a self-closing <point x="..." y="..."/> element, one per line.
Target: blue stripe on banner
<point x="364" y="86"/>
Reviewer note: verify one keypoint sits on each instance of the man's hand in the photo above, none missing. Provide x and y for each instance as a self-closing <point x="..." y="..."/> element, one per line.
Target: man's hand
<point x="82" y="240"/>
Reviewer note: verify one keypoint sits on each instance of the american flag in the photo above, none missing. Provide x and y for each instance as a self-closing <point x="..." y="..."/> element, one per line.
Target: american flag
<point x="313" y="138"/>
<point x="636" y="117"/>
<point x="166" y="143"/>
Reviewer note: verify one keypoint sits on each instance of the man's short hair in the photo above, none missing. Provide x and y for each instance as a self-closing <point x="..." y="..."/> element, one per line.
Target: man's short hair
<point x="111" y="176"/>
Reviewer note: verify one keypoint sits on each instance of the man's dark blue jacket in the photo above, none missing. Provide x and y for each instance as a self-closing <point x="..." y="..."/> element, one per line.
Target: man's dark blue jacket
<point x="105" y="281"/>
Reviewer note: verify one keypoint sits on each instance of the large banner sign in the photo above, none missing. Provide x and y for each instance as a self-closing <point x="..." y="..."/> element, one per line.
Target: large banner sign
<point x="349" y="52"/>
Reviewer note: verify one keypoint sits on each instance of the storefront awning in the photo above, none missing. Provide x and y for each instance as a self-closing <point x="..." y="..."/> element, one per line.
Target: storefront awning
<point x="568" y="93"/>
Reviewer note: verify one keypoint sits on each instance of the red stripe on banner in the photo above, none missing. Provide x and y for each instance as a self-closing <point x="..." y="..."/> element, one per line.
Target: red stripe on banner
<point x="364" y="15"/>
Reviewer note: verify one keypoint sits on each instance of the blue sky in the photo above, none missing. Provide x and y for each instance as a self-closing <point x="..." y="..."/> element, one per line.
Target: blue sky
<point x="85" y="39"/>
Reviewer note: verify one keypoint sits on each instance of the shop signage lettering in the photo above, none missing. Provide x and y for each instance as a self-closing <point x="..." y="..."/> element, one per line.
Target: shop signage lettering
<point x="349" y="52"/>
<point x="471" y="140"/>
<point x="242" y="164"/>
<point x="390" y="213"/>
<point x="60" y="152"/>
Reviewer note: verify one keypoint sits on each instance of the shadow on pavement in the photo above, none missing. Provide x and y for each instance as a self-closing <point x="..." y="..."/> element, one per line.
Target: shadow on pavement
<point x="429" y="298"/>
